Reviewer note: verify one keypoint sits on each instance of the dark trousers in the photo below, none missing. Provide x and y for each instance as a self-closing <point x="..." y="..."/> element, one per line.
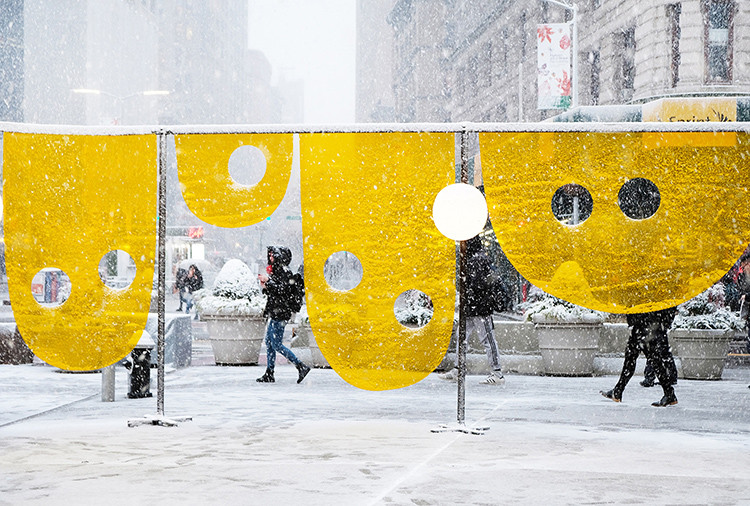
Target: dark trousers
<point x="649" y="375"/>
<point x="648" y="333"/>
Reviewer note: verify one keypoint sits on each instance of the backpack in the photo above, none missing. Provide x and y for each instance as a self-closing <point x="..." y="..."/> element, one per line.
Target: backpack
<point x="297" y="295"/>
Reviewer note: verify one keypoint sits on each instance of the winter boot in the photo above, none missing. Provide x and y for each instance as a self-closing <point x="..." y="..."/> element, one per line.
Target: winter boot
<point x="647" y="383"/>
<point x="667" y="400"/>
<point x="610" y="394"/>
<point x="303" y="370"/>
<point x="267" y="377"/>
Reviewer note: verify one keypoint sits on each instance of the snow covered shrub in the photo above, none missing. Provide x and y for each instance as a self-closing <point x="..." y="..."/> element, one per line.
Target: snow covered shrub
<point x="236" y="291"/>
<point x="707" y="311"/>
<point x="542" y="307"/>
<point x="413" y="308"/>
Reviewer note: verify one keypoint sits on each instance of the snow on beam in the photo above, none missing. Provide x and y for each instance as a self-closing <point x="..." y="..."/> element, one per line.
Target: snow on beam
<point x="379" y="128"/>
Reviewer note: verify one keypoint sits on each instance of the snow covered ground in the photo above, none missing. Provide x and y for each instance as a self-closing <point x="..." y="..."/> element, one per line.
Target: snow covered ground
<point x="551" y="440"/>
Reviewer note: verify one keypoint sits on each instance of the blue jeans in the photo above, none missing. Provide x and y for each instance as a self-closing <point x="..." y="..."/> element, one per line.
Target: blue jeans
<point x="274" y="336"/>
<point x="188" y="301"/>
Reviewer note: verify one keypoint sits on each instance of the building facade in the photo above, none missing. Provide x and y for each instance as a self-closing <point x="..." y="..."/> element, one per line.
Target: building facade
<point x="99" y="62"/>
<point x="476" y="60"/>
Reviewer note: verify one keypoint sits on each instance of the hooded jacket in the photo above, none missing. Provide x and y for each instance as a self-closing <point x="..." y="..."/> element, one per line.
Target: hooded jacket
<point x="478" y="276"/>
<point x="278" y="290"/>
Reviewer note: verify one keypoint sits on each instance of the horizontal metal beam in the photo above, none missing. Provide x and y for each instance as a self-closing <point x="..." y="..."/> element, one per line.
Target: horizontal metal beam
<point x="379" y="128"/>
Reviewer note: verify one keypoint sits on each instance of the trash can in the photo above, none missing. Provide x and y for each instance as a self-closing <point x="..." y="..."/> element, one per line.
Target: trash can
<point x="139" y="367"/>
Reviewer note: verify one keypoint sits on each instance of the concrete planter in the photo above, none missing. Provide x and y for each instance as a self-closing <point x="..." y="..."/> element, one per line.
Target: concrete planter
<point x="235" y="340"/>
<point x="568" y="349"/>
<point x="702" y="352"/>
<point x="305" y="339"/>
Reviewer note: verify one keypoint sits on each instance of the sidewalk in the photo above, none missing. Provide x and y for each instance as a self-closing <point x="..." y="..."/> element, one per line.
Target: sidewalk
<point x="551" y="440"/>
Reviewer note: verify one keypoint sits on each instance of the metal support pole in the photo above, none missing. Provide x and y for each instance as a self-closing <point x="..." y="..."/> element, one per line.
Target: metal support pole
<point x="161" y="272"/>
<point x="161" y="220"/>
<point x="461" y="344"/>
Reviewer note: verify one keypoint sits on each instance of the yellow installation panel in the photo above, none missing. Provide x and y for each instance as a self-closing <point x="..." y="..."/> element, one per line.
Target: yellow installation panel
<point x="209" y="190"/>
<point x="69" y="200"/>
<point x="611" y="262"/>
<point x="371" y="195"/>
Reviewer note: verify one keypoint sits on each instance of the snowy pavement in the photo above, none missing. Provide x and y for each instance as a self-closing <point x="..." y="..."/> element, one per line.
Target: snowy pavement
<point x="551" y="440"/>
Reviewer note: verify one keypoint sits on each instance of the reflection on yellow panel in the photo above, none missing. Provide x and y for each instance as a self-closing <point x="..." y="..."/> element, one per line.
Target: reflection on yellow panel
<point x="371" y="194"/>
<point x="211" y="193"/>
<point x="69" y="200"/>
<point x="611" y="262"/>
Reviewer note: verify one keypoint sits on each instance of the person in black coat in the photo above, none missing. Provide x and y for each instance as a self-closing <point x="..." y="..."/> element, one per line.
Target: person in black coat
<point x="648" y="333"/>
<point x="179" y="285"/>
<point x="279" y="290"/>
<point x="193" y="282"/>
<point x="479" y="308"/>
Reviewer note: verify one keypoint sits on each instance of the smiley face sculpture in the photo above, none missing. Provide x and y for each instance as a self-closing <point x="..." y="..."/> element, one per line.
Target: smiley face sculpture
<point x="70" y="200"/>
<point x="619" y="261"/>
<point x="371" y="195"/>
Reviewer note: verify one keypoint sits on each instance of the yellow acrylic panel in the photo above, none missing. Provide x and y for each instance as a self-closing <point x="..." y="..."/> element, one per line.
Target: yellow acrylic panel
<point x="209" y="190"/>
<point x="611" y="262"/>
<point x="371" y="194"/>
<point x="68" y="201"/>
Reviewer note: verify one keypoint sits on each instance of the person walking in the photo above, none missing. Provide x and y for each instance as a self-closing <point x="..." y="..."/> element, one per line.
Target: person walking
<point x="478" y="310"/>
<point x="193" y="283"/>
<point x="179" y="285"/>
<point x="648" y="334"/>
<point x="743" y="285"/>
<point x="279" y="288"/>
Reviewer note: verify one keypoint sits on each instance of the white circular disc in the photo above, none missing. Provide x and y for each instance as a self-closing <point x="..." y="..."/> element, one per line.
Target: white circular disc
<point x="459" y="211"/>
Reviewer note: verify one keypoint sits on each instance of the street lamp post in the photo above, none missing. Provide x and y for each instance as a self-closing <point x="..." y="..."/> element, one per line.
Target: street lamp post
<point x="119" y="99"/>
<point x="574" y="10"/>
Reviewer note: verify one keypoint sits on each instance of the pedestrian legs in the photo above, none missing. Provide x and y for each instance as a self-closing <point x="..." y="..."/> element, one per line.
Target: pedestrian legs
<point x="274" y="338"/>
<point x="632" y="350"/>
<point x="658" y="350"/>
<point x="483" y="326"/>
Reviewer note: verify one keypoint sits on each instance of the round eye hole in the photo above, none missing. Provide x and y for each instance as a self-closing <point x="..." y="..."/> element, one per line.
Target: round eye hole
<point x="413" y="309"/>
<point x="572" y="204"/>
<point x="51" y="287"/>
<point x="247" y="165"/>
<point x="117" y="269"/>
<point x="343" y="271"/>
<point x="639" y="199"/>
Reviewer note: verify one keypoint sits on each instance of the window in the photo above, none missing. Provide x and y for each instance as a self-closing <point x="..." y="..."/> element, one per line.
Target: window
<point x="624" y="77"/>
<point x="485" y="68"/>
<point x="594" y="60"/>
<point x="500" y="58"/>
<point x="718" y="27"/>
<point x="673" y="20"/>
<point x="473" y="70"/>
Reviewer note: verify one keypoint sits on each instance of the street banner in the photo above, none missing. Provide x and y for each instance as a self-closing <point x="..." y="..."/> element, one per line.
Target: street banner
<point x="553" y="66"/>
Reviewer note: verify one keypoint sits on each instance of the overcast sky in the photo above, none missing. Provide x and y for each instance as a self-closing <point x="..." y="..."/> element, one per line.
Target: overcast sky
<point x="313" y="40"/>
